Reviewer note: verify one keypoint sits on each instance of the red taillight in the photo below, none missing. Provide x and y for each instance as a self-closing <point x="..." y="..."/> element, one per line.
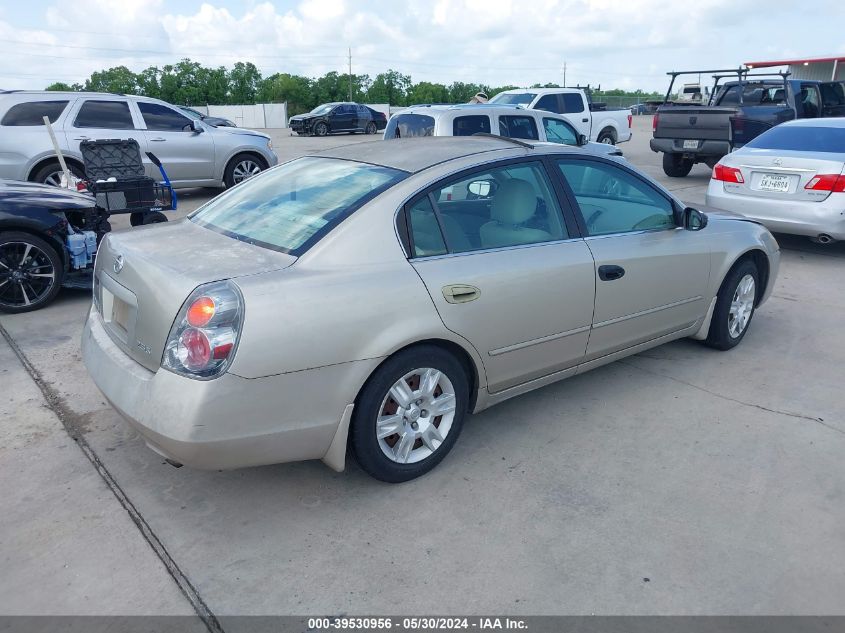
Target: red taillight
<point x="193" y="349"/>
<point x="201" y="312"/>
<point x="827" y="182"/>
<point x="727" y="174"/>
<point x="630" y="118"/>
<point x="654" y="122"/>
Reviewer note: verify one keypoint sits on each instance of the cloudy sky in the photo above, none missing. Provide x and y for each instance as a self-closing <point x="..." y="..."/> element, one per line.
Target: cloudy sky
<point x="615" y="43"/>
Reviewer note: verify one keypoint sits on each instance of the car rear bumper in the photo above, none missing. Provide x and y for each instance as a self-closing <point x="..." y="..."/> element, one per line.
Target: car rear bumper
<point x="784" y="216"/>
<point x="706" y="148"/>
<point x="229" y="422"/>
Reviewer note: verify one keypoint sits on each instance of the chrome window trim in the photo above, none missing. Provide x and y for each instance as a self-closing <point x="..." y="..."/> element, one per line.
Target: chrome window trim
<point x="495" y="250"/>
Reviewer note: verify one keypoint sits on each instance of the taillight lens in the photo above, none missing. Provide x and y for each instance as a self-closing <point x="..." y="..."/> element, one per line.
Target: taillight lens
<point x="727" y="174"/>
<point x="827" y="182"/>
<point x="630" y="119"/>
<point x="654" y="122"/>
<point x="204" y="336"/>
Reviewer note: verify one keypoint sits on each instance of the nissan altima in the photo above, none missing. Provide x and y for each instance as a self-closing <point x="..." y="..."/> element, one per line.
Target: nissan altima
<point x="347" y="299"/>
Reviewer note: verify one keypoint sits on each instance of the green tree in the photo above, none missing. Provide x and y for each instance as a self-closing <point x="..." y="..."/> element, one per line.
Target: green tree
<point x="460" y="92"/>
<point x="331" y="87"/>
<point x="244" y="81"/>
<point x="148" y="81"/>
<point x="389" y="87"/>
<point x="294" y="89"/>
<point x="60" y="86"/>
<point x="118" y="79"/>
<point x="426" y="92"/>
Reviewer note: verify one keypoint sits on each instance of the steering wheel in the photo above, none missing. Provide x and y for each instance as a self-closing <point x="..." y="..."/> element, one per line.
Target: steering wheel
<point x="651" y="222"/>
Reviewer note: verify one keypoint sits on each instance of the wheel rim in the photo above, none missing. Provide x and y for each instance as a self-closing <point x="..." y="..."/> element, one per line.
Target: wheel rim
<point x="607" y="140"/>
<point x="416" y="416"/>
<point x="26" y="274"/>
<point x="54" y="178"/>
<point x="371" y="128"/>
<point x="742" y="306"/>
<point x="244" y="170"/>
<point x="321" y="129"/>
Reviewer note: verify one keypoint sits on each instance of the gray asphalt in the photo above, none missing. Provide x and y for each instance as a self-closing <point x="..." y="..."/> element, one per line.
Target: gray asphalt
<point x="678" y="481"/>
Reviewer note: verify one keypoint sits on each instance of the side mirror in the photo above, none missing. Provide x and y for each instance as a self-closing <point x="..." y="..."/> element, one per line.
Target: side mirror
<point x="197" y="127"/>
<point x="694" y="220"/>
<point x="582" y="140"/>
<point x="481" y="188"/>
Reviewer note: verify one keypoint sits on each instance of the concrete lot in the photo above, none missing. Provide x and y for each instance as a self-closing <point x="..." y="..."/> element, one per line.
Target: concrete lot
<point x="679" y="481"/>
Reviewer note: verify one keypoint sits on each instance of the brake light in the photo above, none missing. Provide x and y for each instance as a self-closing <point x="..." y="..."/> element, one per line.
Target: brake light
<point x="654" y="122"/>
<point x="727" y="174"/>
<point x="204" y="336"/>
<point x="630" y="118"/>
<point x="827" y="182"/>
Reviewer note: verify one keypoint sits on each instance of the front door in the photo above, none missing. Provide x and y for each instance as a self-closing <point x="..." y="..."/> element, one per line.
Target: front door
<point x="344" y="117"/>
<point x="187" y="156"/>
<point x="651" y="275"/>
<point x="494" y="252"/>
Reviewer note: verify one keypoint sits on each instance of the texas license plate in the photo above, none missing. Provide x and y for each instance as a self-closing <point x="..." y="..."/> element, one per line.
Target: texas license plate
<point x="774" y="182"/>
<point x="690" y="144"/>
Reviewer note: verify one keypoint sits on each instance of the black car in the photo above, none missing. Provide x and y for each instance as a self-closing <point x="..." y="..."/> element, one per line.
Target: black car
<point x="216" y="121"/>
<point x="330" y="118"/>
<point x="48" y="238"/>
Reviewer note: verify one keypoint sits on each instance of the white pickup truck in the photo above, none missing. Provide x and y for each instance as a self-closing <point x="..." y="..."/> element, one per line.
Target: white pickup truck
<point x="604" y="126"/>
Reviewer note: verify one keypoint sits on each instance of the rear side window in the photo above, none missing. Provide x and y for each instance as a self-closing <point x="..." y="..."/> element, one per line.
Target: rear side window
<point x="754" y="94"/>
<point x="802" y="138"/>
<point x="518" y="127"/>
<point x="425" y="230"/>
<point x="159" y="117"/>
<point x="113" y="115"/>
<point x="548" y="103"/>
<point x="469" y="125"/>
<point x="291" y="207"/>
<point x="33" y="113"/>
<point x="572" y="102"/>
<point x="409" y="125"/>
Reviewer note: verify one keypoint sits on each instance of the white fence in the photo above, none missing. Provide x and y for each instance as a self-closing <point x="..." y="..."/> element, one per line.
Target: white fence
<point x="260" y="115"/>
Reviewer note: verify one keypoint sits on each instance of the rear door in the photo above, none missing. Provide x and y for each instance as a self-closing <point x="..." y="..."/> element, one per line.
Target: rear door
<point x="833" y="98"/>
<point x="102" y="118"/>
<point x="518" y="284"/>
<point x="651" y="276"/>
<point x="187" y="156"/>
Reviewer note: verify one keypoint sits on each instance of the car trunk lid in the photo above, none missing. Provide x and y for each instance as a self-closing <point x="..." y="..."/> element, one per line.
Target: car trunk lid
<point x="143" y="276"/>
<point x="781" y="174"/>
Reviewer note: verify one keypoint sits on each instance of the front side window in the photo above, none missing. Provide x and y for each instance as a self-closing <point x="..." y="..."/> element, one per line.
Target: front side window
<point x="511" y="205"/>
<point x="469" y="125"/>
<point x="291" y="207"/>
<point x="559" y="131"/>
<point x="572" y="102"/>
<point x="33" y="113"/>
<point x="111" y="115"/>
<point x="162" y="118"/>
<point x="518" y="127"/>
<point x="409" y="125"/>
<point x="614" y="201"/>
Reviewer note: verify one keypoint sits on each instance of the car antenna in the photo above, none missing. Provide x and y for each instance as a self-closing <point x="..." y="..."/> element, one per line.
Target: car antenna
<point x="506" y="138"/>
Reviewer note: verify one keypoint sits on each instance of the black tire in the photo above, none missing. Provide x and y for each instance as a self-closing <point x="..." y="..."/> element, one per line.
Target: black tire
<point x="721" y="335"/>
<point x="607" y="137"/>
<point x="362" y="435"/>
<point x="321" y="129"/>
<point x="234" y="169"/>
<point x="676" y="166"/>
<point x="28" y="295"/>
<point x="371" y="128"/>
<point x="154" y="217"/>
<point x="50" y="173"/>
<point x="136" y="218"/>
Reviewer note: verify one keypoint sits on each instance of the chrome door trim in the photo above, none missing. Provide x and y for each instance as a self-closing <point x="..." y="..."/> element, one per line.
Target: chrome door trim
<point x="497" y="249"/>
<point x="537" y="341"/>
<point x="649" y="311"/>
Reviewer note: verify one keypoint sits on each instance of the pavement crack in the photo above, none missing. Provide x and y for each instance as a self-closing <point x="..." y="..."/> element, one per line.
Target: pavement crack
<point x="68" y="419"/>
<point x="791" y="414"/>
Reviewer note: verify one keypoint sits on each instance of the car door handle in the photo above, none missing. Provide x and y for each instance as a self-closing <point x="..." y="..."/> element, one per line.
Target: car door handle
<point x="460" y="293"/>
<point x="611" y="273"/>
<point x="158" y="139"/>
<point x="585" y="120"/>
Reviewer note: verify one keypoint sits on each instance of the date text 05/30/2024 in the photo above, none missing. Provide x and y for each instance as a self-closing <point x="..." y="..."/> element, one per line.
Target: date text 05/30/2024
<point x="416" y="624"/>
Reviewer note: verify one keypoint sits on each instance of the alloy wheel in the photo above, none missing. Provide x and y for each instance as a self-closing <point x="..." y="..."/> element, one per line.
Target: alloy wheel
<point x="416" y="415"/>
<point x="245" y="169"/>
<point x="26" y="274"/>
<point x="742" y="306"/>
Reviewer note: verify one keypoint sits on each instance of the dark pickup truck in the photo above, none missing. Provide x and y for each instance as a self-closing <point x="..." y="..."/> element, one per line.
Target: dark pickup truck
<point x="738" y="111"/>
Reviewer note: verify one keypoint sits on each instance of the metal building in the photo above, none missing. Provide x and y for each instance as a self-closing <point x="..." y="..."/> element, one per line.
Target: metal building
<point x="817" y="68"/>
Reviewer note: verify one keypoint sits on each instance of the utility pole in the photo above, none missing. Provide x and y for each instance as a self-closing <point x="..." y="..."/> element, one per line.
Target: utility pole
<point x="350" y="73"/>
<point x="564" y="73"/>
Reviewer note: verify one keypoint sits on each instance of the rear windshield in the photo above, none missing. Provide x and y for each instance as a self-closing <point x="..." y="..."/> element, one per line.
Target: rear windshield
<point x="289" y="208"/>
<point x="519" y="98"/>
<point x="802" y="138"/>
<point x="33" y="113"/>
<point x="408" y="125"/>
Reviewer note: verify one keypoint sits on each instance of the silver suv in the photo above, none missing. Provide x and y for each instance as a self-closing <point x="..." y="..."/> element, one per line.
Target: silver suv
<point x="194" y="153"/>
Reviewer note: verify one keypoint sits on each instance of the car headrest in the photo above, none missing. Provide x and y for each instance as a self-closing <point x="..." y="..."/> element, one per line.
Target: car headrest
<point x="514" y="203"/>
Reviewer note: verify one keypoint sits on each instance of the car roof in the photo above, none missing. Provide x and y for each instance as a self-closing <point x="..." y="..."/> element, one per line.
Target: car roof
<point x="538" y="91"/>
<point x="417" y="154"/>
<point x="442" y="110"/>
<point x="837" y="122"/>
